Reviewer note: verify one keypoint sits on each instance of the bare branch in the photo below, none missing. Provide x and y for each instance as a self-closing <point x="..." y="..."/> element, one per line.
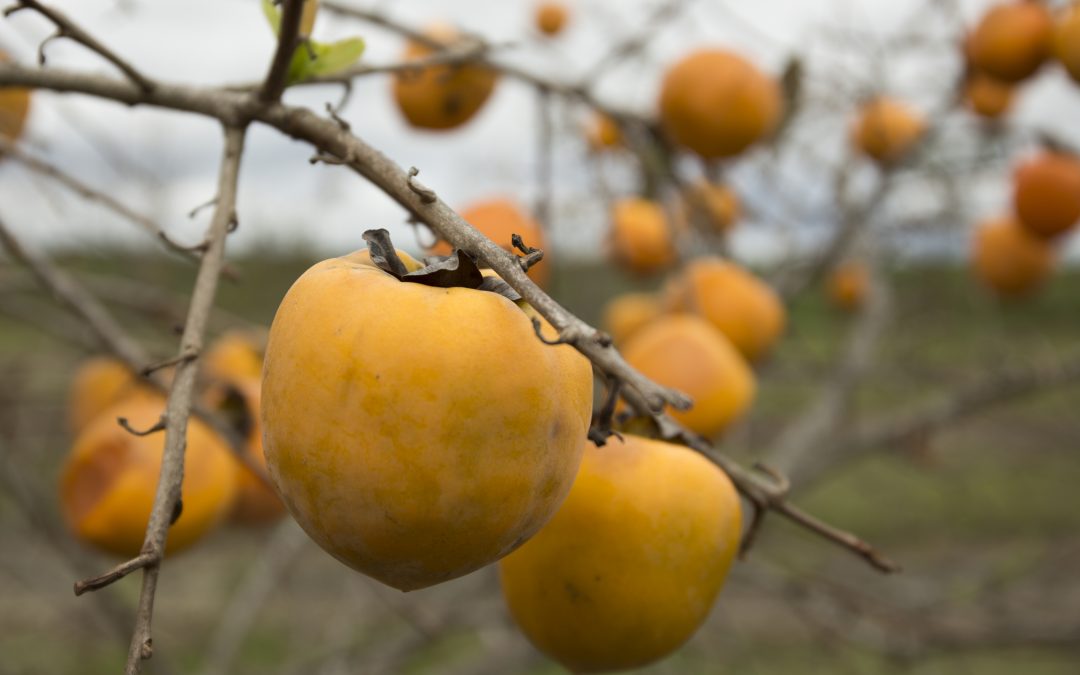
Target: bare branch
<point x="66" y="28"/>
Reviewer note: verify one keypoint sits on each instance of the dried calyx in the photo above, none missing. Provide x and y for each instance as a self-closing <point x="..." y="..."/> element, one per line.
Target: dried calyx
<point x="457" y="270"/>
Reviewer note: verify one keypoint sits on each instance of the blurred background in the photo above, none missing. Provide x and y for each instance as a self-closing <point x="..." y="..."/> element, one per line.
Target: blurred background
<point x="935" y="417"/>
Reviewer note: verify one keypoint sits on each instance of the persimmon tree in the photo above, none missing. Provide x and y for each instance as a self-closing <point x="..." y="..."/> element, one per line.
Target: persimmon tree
<point x="677" y="203"/>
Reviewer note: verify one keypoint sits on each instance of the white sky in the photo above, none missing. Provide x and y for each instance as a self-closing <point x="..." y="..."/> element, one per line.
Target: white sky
<point x="168" y="161"/>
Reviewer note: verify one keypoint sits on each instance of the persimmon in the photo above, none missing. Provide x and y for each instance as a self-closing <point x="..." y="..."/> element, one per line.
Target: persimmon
<point x="988" y="97"/>
<point x="603" y="133"/>
<point x="886" y="129"/>
<point x="108" y="480"/>
<point x="307" y="18"/>
<point x="1046" y="193"/>
<point x="237" y="400"/>
<point x="99" y="383"/>
<point x="630" y="566"/>
<point x="738" y="303"/>
<point x="641" y="238"/>
<point x="444" y="96"/>
<point x="499" y="219"/>
<point x="1012" y="40"/>
<point x="417" y="433"/>
<point x="848" y="285"/>
<point x="716" y="205"/>
<point x="1066" y="42"/>
<point x="688" y="353"/>
<point x="1010" y="260"/>
<point x="14" y="108"/>
<point x="629" y="312"/>
<point x="717" y="104"/>
<point x="551" y="17"/>
<point x="234" y="356"/>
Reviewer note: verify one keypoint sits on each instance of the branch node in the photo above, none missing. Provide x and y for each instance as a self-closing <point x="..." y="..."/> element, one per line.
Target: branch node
<point x="333" y="112"/>
<point x="427" y="195"/>
<point x="566" y="337"/>
<point x="184" y="357"/>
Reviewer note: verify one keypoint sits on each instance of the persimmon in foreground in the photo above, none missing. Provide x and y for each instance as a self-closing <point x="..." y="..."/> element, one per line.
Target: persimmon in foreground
<point x="717" y="104"/>
<point x="641" y="239"/>
<point x="14" y="108"/>
<point x="685" y="352"/>
<point x="742" y="306"/>
<point x="238" y="401"/>
<point x="1010" y="260"/>
<point x="445" y="96"/>
<point x="1046" y="193"/>
<point x="630" y="566"/>
<point x="499" y="219"/>
<point x="886" y="129"/>
<point x="108" y="481"/>
<point x="416" y="432"/>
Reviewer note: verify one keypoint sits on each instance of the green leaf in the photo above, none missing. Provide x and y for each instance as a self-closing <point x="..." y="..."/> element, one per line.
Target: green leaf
<point x="318" y="58"/>
<point x="273" y="15"/>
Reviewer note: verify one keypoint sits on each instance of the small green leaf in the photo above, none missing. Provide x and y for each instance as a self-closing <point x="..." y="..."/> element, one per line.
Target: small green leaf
<point x="336" y="56"/>
<point x="273" y="15"/>
<point x="319" y="58"/>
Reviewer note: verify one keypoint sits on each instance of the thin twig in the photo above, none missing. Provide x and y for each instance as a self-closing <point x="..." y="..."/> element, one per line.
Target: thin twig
<point x="66" y="28"/>
<point x="288" y="40"/>
<point x="178" y="407"/>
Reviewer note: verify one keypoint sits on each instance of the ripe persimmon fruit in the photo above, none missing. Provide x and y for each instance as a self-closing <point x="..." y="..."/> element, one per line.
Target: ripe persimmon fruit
<point x="1046" y="193"/>
<point x="641" y="237"/>
<point x="1012" y="40"/>
<point x="630" y="566"/>
<point x="1008" y="259"/>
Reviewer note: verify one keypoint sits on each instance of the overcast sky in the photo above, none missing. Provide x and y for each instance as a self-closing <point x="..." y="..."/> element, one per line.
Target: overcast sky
<point x="165" y="163"/>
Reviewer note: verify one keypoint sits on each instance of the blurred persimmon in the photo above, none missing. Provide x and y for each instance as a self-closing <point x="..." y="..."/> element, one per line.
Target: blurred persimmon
<point x="625" y="314"/>
<point x="1012" y="40"/>
<point x="109" y="479"/>
<point x="1010" y="260"/>
<point x="715" y="205"/>
<point x="717" y="104"/>
<point x="14" y="108"/>
<point x="641" y="236"/>
<point x="551" y="17"/>
<point x="988" y="97"/>
<point x="688" y="353"/>
<point x="848" y="285"/>
<point x="1046" y="193"/>
<point x="1066" y="44"/>
<point x="499" y="219"/>
<point x="886" y="129"/>
<point x="735" y="301"/>
<point x="441" y="97"/>
<point x="100" y="382"/>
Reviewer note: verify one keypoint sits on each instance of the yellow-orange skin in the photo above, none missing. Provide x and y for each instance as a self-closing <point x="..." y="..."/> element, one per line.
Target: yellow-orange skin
<point x="500" y="219"/>
<point x="739" y="304"/>
<point x="256" y="502"/>
<point x="14" y="108"/>
<point x="1009" y="260"/>
<point x="603" y="133"/>
<point x="1012" y="40"/>
<point x="630" y="566"/>
<point x="848" y="286"/>
<point x="99" y="383"/>
<point x="235" y="356"/>
<point x="441" y="97"/>
<point x="395" y="431"/>
<point x="108" y="480"/>
<point x="988" y="97"/>
<point x="1066" y="45"/>
<point x="629" y="312"/>
<point x="886" y="129"/>
<point x="551" y="18"/>
<point x="687" y="353"/>
<point x="717" y="104"/>
<point x="641" y="238"/>
<point x="716" y="205"/>
<point x="1046" y="193"/>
